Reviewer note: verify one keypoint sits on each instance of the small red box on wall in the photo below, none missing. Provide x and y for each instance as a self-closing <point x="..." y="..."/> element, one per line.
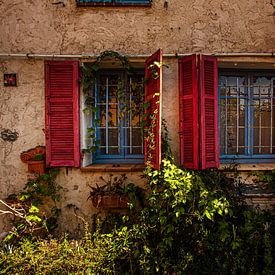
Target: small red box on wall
<point x="10" y="80"/>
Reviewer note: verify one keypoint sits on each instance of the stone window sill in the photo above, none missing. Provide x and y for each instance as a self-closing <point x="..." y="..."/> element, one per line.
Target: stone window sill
<point x="248" y="167"/>
<point x="113" y="168"/>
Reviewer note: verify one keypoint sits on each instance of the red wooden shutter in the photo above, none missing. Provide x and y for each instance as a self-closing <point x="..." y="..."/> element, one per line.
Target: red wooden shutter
<point x="188" y="118"/>
<point x="209" y="147"/>
<point x="153" y="89"/>
<point x="62" y="113"/>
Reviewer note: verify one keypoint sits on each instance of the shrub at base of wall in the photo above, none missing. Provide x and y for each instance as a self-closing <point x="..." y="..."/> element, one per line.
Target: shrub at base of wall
<point x="191" y="223"/>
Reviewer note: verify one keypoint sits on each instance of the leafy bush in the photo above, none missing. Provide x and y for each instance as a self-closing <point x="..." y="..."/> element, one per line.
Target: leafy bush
<point x="192" y="222"/>
<point x="29" y="207"/>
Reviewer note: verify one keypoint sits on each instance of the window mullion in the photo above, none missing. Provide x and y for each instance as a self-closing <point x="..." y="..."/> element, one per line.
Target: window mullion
<point x="120" y="122"/>
<point x="130" y="118"/>
<point x="107" y="116"/>
<point x="260" y="121"/>
<point x="271" y="115"/>
<point x="142" y="132"/>
<point x="122" y="136"/>
<point x="250" y="116"/>
<point x="246" y="101"/>
<point x="219" y="112"/>
<point x="237" y="105"/>
<point x="114" y="99"/>
<point x="226" y="117"/>
<point x="95" y="115"/>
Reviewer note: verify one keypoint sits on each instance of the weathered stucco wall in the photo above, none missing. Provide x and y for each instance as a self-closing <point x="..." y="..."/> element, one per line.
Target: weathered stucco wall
<point x="184" y="26"/>
<point x="22" y="110"/>
<point x="40" y="27"/>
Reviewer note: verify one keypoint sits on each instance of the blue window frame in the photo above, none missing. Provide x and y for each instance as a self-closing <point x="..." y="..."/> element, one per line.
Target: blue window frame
<point x="114" y="2"/>
<point x="247" y="116"/>
<point x="118" y="101"/>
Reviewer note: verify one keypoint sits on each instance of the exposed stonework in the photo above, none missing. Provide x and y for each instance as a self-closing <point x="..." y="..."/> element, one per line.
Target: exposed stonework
<point x="261" y="202"/>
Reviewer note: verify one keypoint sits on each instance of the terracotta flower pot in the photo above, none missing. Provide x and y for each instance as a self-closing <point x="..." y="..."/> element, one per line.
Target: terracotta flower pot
<point x="36" y="166"/>
<point x="110" y="201"/>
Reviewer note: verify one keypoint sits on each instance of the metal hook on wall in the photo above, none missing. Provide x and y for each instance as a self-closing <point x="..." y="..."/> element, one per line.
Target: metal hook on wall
<point x="8" y="135"/>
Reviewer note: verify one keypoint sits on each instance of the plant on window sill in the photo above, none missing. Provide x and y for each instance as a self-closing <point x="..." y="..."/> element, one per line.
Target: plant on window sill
<point x="114" y="194"/>
<point x="265" y="180"/>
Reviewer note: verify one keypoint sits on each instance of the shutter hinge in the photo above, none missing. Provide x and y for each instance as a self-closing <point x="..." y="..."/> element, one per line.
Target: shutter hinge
<point x="46" y="132"/>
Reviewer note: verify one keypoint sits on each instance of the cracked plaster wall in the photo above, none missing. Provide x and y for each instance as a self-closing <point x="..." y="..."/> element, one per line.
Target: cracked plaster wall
<point x="40" y="27"/>
<point x="184" y="26"/>
<point x="22" y="110"/>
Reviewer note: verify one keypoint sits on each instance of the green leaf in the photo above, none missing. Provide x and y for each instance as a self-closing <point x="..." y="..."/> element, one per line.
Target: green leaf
<point x="56" y="197"/>
<point x="33" y="218"/>
<point x="95" y="67"/>
<point x="208" y="214"/>
<point x="33" y="209"/>
<point x="24" y="197"/>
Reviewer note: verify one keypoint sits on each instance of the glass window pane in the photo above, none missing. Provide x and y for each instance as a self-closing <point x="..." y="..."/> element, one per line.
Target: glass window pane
<point x="119" y="112"/>
<point x="241" y="149"/>
<point x="101" y="116"/>
<point x="261" y="86"/>
<point x="232" y="114"/>
<point x="135" y="141"/>
<point x="247" y="118"/>
<point x="102" y="93"/>
<point x="265" y="112"/>
<point x="113" y="146"/>
<point x="102" y="139"/>
<point x="257" y="112"/>
<point x="232" y="140"/>
<point x="265" y="140"/>
<point x="113" y="115"/>
<point x="242" y="107"/>
<point x="222" y="126"/>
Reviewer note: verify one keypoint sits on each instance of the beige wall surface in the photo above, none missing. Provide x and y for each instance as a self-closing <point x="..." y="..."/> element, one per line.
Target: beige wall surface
<point x="29" y="26"/>
<point x="44" y="28"/>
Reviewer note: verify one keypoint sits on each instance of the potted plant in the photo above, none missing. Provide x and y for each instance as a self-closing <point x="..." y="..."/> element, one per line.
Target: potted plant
<point x="35" y="158"/>
<point x="111" y="195"/>
<point x="37" y="164"/>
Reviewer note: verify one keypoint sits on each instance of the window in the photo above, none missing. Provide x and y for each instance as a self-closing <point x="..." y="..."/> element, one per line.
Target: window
<point x="117" y="120"/>
<point x="113" y="2"/>
<point x="228" y="118"/>
<point x="247" y="116"/>
<point x="117" y="102"/>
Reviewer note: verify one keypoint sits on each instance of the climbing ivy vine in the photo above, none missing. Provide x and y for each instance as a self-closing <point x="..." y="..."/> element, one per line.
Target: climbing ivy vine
<point x="137" y="107"/>
<point x="89" y="81"/>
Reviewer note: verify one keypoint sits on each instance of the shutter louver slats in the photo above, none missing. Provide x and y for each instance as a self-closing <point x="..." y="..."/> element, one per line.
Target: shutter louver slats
<point x="153" y="90"/>
<point x="209" y="151"/>
<point x="188" y="135"/>
<point x="62" y="118"/>
<point x="198" y="137"/>
<point x="188" y="107"/>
